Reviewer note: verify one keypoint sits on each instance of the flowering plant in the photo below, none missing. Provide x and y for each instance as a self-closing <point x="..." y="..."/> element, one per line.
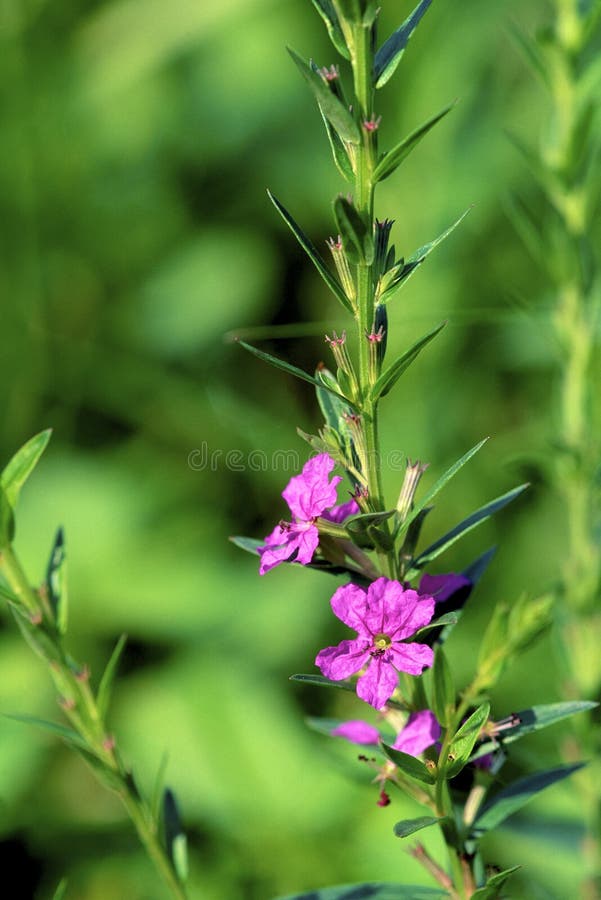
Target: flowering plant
<point x="443" y="749"/>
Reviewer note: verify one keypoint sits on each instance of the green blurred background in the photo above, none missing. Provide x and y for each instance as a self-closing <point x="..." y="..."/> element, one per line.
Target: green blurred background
<point x="137" y="140"/>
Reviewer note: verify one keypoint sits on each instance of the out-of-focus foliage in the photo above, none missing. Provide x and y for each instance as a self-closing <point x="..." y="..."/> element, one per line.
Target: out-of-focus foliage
<point x="137" y="140"/>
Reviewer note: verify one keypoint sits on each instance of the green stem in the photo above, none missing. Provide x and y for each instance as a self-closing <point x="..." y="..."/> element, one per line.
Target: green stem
<point x="79" y="704"/>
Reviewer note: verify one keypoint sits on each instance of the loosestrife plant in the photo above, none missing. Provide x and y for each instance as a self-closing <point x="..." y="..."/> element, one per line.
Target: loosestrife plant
<point x="444" y="749"/>
<point x="563" y="245"/>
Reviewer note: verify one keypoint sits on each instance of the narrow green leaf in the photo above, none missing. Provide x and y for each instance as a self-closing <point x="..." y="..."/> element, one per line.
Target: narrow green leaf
<point x="22" y="465"/>
<point x="442" y="481"/>
<point x="356" y="232"/>
<point x="533" y="54"/>
<point x="512" y="798"/>
<point x="158" y="787"/>
<point x="326" y="10"/>
<point x="333" y="408"/>
<point x="249" y="544"/>
<point x="339" y="154"/>
<point x="60" y="891"/>
<point x="62" y="731"/>
<point x="410" y="826"/>
<point x="416" y="259"/>
<point x="358" y="524"/>
<point x="370" y="891"/>
<point x="535" y="719"/>
<point x="7" y="520"/>
<point x="491" y="889"/>
<point x="56" y="581"/>
<point x="476" y="518"/>
<point x="443" y="689"/>
<point x="476" y="570"/>
<point x="108" y="677"/>
<point x="335" y="112"/>
<point x="391" y="160"/>
<point x="320" y="681"/>
<point x="462" y="744"/>
<point x="389" y="55"/>
<point x="290" y="369"/>
<point x="389" y="378"/>
<point x="409" y="765"/>
<point x="313" y="254"/>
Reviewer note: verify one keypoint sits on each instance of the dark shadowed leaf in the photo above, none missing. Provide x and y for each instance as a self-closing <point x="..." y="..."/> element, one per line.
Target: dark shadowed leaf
<point x="370" y="891"/>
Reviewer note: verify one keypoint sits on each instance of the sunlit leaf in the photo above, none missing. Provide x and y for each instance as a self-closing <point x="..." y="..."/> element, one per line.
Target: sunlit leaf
<point x="389" y="55"/>
<point x="391" y="160"/>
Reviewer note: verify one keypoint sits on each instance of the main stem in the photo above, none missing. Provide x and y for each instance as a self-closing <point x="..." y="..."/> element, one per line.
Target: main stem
<point x="362" y="63"/>
<point x="79" y="705"/>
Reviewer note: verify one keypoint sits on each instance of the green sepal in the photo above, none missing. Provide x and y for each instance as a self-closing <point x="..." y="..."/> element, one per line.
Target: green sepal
<point x="442" y="698"/>
<point x="467" y="524"/>
<point x="370" y="891"/>
<point x="389" y="55"/>
<point x="63" y="732"/>
<point x="409" y="765"/>
<point x="462" y="744"/>
<point x="56" y="581"/>
<point x="513" y="797"/>
<point x="326" y="10"/>
<point x="175" y="838"/>
<point x="389" y="378"/>
<point x="409" y="826"/>
<point x="335" y="112"/>
<point x="106" y="682"/>
<point x="22" y="464"/>
<point x="491" y="889"/>
<point x="405" y="269"/>
<point x="290" y="369"/>
<point x="391" y="160"/>
<point x="313" y="254"/>
<point x="7" y="520"/>
<point x="438" y="486"/>
<point x="356" y="232"/>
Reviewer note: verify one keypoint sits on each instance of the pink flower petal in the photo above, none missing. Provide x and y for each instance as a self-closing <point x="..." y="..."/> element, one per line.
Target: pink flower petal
<point x="412" y="658"/>
<point x="421" y="731"/>
<point x="357" y="732"/>
<point x="395" y="611"/>
<point x="307" y="545"/>
<point x="349" y="604"/>
<point x="293" y="542"/>
<point x="343" y="660"/>
<point x="441" y="587"/>
<point x="377" y="685"/>
<point x="341" y="512"/>
<point x="311" y="492"/>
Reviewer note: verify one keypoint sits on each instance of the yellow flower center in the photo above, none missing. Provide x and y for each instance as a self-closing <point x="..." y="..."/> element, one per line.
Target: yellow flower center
<point x="381" y="642"/>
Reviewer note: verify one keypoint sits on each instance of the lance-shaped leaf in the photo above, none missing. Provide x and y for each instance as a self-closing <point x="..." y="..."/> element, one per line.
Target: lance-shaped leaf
<point x="60" y="891"/>
<point x="356" y="232"/>
<point x="405" y="270"/>
<point x="333" y="408"/>
<point x="513" y="797"/>
<point x="389" y="55"/>
<point x="55" y="728"/>
<point x="462" y="744"/>
<point x="335" y="112"/>
<point x="533" y="53"/>
<point x="251" y="545"/>
<point x="290" y="369"/>
<point x="7" y="520"/>
<point x="391" y="160"/>
<point x="410" y="826"/>
<point x="56" y="581"/>
<point x="389" y="378"/>
<point x="22" y="465"/>
<point x="443" y="689"/>
<point x="313" y="254"/>
<point x="326" y="10"/>
<point x="476" y="518"/>
<point x="372" y="890"/>
<point x="534" y="719"/>
<point x="320" y="681"/>
<point x="409" y="765"/>
<point x="108" y="677"/>
<point x="490" y="891"/>
<point x="341" y="157"/>
<point x="175" y="839"/>
<point x="438" y="486"/>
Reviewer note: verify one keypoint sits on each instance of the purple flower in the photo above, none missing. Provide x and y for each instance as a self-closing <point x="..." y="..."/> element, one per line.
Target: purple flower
<point x="308" y="495"/>
<point x="441" y="587"/>
<point x="384" y="616"/>
<point x="421" y="731"/>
